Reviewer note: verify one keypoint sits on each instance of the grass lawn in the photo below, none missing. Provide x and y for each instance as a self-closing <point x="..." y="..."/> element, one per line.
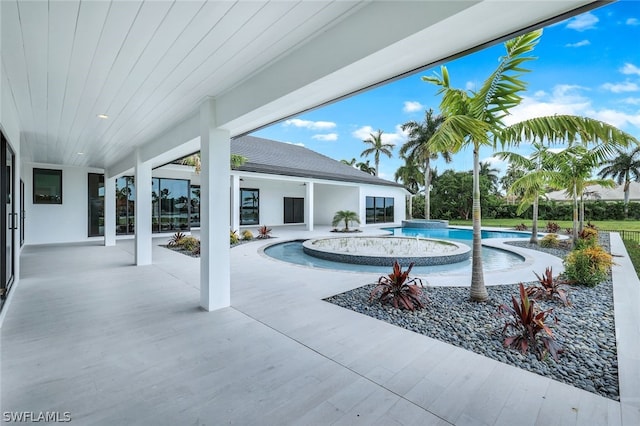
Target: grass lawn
<point x="609" y="225"/>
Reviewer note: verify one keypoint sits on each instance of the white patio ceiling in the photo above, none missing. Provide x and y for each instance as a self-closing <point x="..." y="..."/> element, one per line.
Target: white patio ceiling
<point x="148" y="65"/>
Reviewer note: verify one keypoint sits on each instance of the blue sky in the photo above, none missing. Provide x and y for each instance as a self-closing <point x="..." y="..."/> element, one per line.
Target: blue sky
<point x="588" y="65"/>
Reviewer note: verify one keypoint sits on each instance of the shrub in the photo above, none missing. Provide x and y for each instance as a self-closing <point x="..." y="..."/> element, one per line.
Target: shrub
<point x="521" y="227"/>
<point x="548" y="288"/>
<point x="550" y="241"/>
<point x="587" y="266"/>
<point x="526" y="327"/>
<point x="233" y="237"/>
<point x="552" y="227"/>
<point x="263" y="232"/>
<point x="176" y="239"/>
<point x="189" y="243"/>
<point x="397" y="289"/>
<point x="247" y="235"/>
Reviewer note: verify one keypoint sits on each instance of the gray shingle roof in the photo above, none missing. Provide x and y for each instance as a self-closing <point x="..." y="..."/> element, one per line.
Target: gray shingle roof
<point x="278" y="158"/>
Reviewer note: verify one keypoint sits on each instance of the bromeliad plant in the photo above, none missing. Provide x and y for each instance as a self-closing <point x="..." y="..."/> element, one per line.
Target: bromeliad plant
<point x="549" y="288"/>
<point x="264" y="232"/>
<point x="526" y="328"/>
<point x="176" y="239"/>
<point x="398" y="289"/>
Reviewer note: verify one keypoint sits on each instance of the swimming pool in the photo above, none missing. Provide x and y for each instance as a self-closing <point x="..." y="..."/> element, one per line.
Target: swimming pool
<point x="464" y="235"/>
<point x="493" y="260"/>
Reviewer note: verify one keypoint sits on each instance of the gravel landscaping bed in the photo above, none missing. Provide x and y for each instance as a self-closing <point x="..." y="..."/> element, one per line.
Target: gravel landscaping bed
<point x="586" y="330"/>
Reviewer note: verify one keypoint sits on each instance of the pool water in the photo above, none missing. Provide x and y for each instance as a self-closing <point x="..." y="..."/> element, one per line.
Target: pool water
<point x="463" y="235"/>
<point x="493" y="260"/>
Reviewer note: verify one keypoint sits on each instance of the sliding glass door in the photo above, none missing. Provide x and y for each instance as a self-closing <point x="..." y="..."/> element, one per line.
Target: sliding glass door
<point x="9" y="218"/>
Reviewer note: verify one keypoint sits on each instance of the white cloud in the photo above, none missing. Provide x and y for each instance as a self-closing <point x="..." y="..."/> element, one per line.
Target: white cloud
<point x="632" y="21"/>
<point x="627" y="86"/>
<point x="326" y="137"/>
<point x="312" y="125"/>
<point x="470" y="85"/>
<point x="617" y="118"/>
<point x="540" y="93"/>
<point x="586" y="21"/>
<point x="365" y="132"/>
<point x="412" y="106"/>
<point x="629" y="68"/>
<point x="295" y="143"/>
<point x="496" y="163"/>
<point x="578" y="44"/>
<point x="631" y="101"/>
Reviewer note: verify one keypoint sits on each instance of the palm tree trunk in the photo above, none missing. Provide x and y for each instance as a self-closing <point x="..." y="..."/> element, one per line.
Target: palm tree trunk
<point x="575" y="215"/>
<point x="626" y="199"/>
<point x="534" y="225"/>
<point x="377" y="158"/>
<point x="478" y="289"/>
<point x="581" y="227"/>
<point x="427" y="193"/>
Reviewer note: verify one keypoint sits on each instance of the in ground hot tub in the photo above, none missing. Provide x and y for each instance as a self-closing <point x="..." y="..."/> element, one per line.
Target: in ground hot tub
<point x="383" y="251"/>
<point x="425" y="223"/>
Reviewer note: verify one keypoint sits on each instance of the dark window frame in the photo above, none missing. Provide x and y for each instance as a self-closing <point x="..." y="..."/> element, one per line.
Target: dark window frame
<point x="51" y="172"/>
<point x="379" y="204"/>
<point x="256" y="208"/>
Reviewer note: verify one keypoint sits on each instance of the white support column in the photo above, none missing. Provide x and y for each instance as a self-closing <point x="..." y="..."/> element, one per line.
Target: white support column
<point x="235" y="202"/>
<point x="363" y="207"/>
<point x="109" y="210"/>
<point x="215" y="151"/>
<point x="143" y="212"/>
<point x="308" y="205"/>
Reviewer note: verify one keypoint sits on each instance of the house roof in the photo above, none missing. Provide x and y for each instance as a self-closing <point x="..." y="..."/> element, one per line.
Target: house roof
<point x="597" y="192"/>
<point x="279" y="158"/>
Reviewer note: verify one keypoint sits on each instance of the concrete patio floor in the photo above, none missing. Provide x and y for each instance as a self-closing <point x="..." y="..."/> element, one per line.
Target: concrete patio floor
<point x="90" y="334"/>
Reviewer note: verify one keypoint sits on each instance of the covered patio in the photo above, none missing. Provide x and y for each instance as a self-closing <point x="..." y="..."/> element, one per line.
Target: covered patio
<point x="91" y="334"/>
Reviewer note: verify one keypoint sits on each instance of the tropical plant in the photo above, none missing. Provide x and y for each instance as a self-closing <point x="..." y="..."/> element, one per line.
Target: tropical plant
<point x="398" y="290"/>
<point x="264" y="232"/>
<point x="351" y="162"/>
<point x="418" y="149"/>
<point x="472" y="117"/>
<point x="521" y="227"/>
<point x="587" y="266"/>
<point x="195" y="161"/>
<point x="491" y="173"/>
<point x="247" y="235"/>
<point x="526" y="328"/>
<point x="377" y="147"/>
<point x="345" y="216"/>
<point x="512" y="174"/>
<point x="549" y="288"/>
<point x="550" y="241"/>
<point x="623" y="168"/>
<point x="552" y="227"/>
<point x="366" y="167"/>
<point x="234" y="238"/>
<point x="176" y="239"/>
<point x="410" y="175"/>
<point x="189" y="243"/>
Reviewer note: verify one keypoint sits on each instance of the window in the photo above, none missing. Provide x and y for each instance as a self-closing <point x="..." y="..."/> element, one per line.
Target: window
<point x="293" y="210"/>
<point x="170" y="211"/>
<point x="195" y="206"/>
<point x="47" y="186"/>
<point x="379" y="209"/>
<point x="96" y="204"/>
<point x="125" y="205"/>
<point x="249" y="206"/>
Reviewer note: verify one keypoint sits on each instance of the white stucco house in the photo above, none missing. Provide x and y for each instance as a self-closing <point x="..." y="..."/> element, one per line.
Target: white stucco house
<point x="279" y="184"/>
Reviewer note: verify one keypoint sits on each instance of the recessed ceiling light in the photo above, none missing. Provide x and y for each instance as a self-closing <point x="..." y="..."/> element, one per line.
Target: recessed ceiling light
<point x="81" y="153"/>
<point x="103" y="116"/>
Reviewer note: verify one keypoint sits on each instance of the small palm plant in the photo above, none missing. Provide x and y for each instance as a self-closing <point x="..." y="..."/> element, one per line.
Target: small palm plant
<point x="345" y="216"/>
<point x="397" y="289"/>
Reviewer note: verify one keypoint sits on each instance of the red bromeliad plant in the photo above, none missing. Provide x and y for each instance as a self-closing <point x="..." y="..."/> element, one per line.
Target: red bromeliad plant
<point x="549" y="288"/>
<point x="527" y="323"/>
<point x="176" y="239"/>
<point x="264" y="231"/>
<point x="397" y="289"/>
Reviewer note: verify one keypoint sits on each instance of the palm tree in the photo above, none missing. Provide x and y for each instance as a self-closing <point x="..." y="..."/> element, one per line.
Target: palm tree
<point x="194" y="160"/>
<point x="377" y="147"/>
<point x="623" y="168"/>
<point x="351" y="163"/>
<point x="531" y="184"/>
<point x="491" y="173"/>
<point x="366" y="167"/>
<point x="470" y="119"/>
<point x="410" y="175"/>
<point x="512" y="174"/>
<point x="418" y="147"/>
<point x="346" y="216"/>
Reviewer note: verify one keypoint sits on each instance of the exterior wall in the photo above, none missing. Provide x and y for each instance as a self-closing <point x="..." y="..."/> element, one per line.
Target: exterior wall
<point x="399" y="197"/>
<point x="58" y="223"/>
<point x="331" y="198"/>
<point x="272" y="193"/>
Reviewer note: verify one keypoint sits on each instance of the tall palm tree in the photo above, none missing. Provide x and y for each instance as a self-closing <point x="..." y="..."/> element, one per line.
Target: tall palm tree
<point x="418" y="146"/>
<point x="623" y="168"/>
<point x="377" y="147"/>
<point x="410" y="175"/>
<point x="366" y="167"/>
<point x="351" y="162"/>
<point x="491" y="173"/>
<point x="472" y="117"/>
<point x="531" y="184"/>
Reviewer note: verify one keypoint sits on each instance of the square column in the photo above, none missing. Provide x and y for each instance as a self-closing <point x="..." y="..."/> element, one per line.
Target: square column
<point x="215" y="204"/>
<point x="235" y="202"/>
<point x="143" y="212"/>
<point x="109" y="210"/>
<point x="309" y="205"/>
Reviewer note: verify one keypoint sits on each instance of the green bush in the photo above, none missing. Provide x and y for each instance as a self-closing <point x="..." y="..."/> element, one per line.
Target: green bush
<point x="587" y="266"/>
<point x="189" y="243"/>
<point x="234" y="238"/>
<point x="550" y="241"/>
<point x="247" y="235"/>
